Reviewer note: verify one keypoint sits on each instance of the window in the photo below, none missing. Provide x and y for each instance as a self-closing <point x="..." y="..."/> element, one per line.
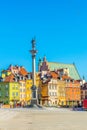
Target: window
<point x="16" y="87"/>
<point x="23" y="90"/>
<point x="13" y="87"/>
<point x="52" y="93"/>
<point x="81" y="92"/>
<point x="0" y="94"/>
<point x="52" y="87"/>
<point x="21" y="95"/>
<point x="55" y="94"/>
<point x="16" y="93"/>
<point x="55" y="87"/>
<point x="85" y="92"/>
<point x="6" y="86"/>
<point x="7" y="94"/>
<point x="20" y="84"/>
<point x="13" y="94"/>
<point x="23" y="84"/>
<point x="20" y="90"/>
<point x="49" y="93"/>
<point x="24" y="96"/>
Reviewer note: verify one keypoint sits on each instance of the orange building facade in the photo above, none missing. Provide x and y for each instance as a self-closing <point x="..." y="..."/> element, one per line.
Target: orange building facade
<point x="73" y="93"/>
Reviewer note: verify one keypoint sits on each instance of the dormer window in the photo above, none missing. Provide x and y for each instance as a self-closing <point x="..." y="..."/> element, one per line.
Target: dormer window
<point x="73" y="80"/>
<point x="68" y="80"/>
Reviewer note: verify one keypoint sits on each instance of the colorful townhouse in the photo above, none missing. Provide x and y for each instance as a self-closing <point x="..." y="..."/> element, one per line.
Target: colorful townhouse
<point x="73" y="93"/>
<point x="9" y="91"/>
<point x="28" y="85"/>
<point x="61" y="92"/>
<point x="16" y="75"/>
<point x="49" y="88"/>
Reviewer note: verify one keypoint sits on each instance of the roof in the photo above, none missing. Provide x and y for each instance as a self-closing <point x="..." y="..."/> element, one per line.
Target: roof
<point x="9" y="78"/>
<point x="64" y="77"/>
<point x="23" y="71"/>
<point x="54" y="74"/>
<point x="73" y="73"/>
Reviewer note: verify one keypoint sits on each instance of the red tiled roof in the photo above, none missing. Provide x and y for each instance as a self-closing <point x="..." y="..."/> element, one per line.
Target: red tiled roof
<point x="54" y="74"/>
<point x="9" y="78"/>
<point x="76" y="81"/>
<point x="23" y="71"/>
<point x="64" y="77"/>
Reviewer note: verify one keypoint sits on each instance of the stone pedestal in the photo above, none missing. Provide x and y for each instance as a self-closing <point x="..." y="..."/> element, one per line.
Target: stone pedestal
<point x="34" y="95"/>
<point x="34" y="102"/>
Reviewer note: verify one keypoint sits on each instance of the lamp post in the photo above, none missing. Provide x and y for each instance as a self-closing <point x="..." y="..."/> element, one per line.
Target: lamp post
<point x="34" y="88"/>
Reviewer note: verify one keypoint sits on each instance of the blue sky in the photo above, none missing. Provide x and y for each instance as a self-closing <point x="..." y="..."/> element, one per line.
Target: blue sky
<point x="60" y="27"/>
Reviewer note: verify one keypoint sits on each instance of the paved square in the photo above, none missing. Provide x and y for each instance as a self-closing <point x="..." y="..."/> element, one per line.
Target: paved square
<point x="47" y="119"/>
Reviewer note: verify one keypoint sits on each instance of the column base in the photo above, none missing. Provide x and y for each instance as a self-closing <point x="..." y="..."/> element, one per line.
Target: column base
<point x="34" y="102"/>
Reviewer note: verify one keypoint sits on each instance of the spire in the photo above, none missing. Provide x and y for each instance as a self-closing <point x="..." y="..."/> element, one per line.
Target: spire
<point x="44" y="59"/>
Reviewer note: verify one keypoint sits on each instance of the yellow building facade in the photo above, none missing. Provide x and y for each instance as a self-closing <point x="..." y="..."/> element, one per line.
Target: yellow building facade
<point x="61" y="93"/>
<point x="14" y="92"/>
<point x="28" y="91"/>
<point x="28" y="86"/>
<point x="9" y="92"/>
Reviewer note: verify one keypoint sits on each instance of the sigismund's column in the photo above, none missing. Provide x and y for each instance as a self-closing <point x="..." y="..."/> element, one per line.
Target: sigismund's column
<point x="34" y="100"/>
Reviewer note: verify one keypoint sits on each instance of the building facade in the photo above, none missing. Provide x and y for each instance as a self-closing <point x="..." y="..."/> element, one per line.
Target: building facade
<point x="83" y="91"/>
<point x="73" y="93"/>
<point x="9" y="92"/>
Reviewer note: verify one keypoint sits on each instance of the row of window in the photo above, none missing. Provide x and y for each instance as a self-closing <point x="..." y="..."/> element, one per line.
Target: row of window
<point x="15" y="94"/>
<point x="22" y="96"/>
<point x="51" y="86"/>
<point x="6" y="86"/>
<point x="52" y="94"/>
<point x="22" y="90"/>
<point x="6" y="94"/>
<point x="85" y="92"/>
<point x="22" y="84"/>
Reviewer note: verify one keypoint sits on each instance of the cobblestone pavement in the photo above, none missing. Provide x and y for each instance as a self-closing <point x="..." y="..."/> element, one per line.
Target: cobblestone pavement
<point x="46" y="119"/>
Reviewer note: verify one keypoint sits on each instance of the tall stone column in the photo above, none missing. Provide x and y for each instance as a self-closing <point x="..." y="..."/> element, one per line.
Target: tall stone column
<point x="33" y="52"/>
